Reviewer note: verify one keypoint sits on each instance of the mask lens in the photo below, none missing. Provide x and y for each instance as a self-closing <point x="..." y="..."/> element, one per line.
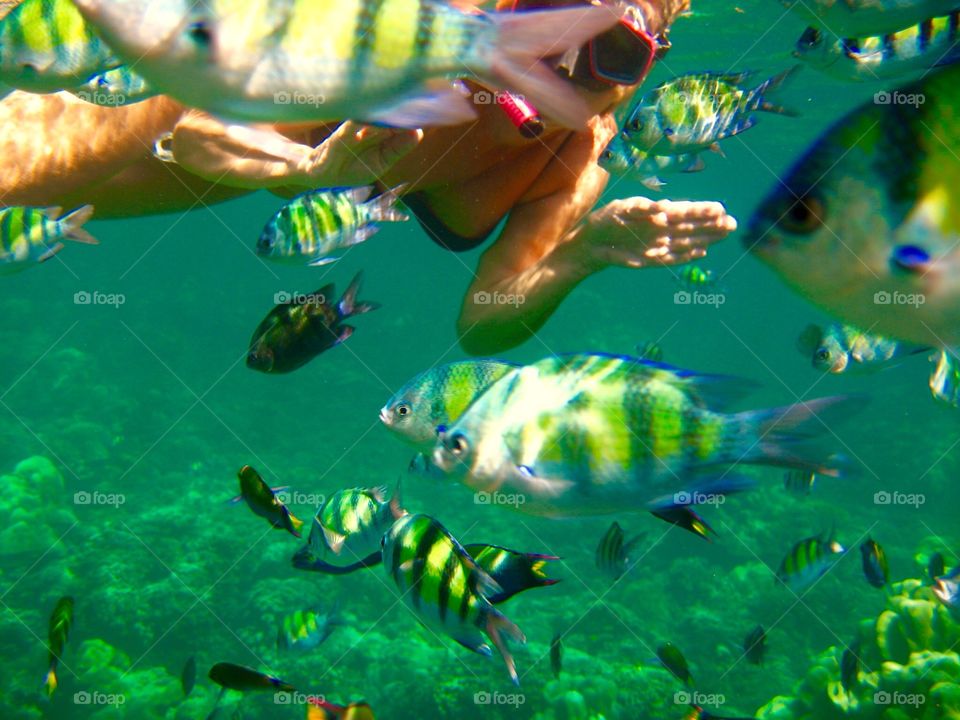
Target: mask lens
<point x="622" y="55"/>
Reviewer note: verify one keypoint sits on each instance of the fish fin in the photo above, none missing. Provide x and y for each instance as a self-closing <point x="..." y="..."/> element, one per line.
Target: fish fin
<point x="382" y="208"/>
<point x="322" y="261"/>
<point x="809" y="340"/>
<point x="234" y="500"/>
<point x="293" y="522"/>
<point x="50" y="252"/>
<point x="520" y="42"/>
<point x="53" y="212"/>
<point x="50" y="682"/>
<point x="359" y="195"/>
<point x="71" y="225"/>
<point x="345" y="332"/>
<point x="476" y="645"/>
<point x="378" y="493"/>
<point x="496" y="624"/>
<point x="714" y="147"/>
<point x="396" y="505"/>
<point x="686" y="518"/>
<point x="333" y="539"/>
<point x="759" y="97"/>
<point x="440" y="106"/>
<point x="697" y="163"/>
<point x="349" y="305"/>
<point x="781" y="436"/>
<point x="945" y="379"/>
<point x="652" y="183"/>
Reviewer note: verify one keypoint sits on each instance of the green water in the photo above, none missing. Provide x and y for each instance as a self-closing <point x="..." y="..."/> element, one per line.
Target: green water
<point x="151" y="402"/>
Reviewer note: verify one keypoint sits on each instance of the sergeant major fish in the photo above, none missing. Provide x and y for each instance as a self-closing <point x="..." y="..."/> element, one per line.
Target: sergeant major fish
<point x="318" y="223"/>
<point x="808" y="560"/>
<point x="513" y="571"/>
<point x="867" y="223"/>
<point x="30" y="235"/>
<point x="349" y="524"/>
<point x="853" y="18"/>
<point x="307" y="629"/>
<point x="47" y="46"/>
<point x="295" y="332"/>
<point x="597" y="434"/>
<point x="840" y="348"/>
<point x="874" y="560"/>
<point x="931" y="43"/>
<point x="445" y="587"/>
<point x="383" y="62"/>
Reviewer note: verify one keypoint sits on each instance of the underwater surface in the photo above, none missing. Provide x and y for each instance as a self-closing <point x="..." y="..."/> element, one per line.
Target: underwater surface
<point x="124" y="426"/>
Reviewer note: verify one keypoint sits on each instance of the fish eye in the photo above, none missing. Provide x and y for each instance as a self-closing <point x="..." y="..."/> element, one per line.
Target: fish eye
<point x="403" y="409"/>
<point x="200" y="33"/>
<point x="823" y="355"/>
<point x="810" y="39"/>
<point x="635" y="124"/>
<point x="458" y="444"/>
<point x="804" y="216"/>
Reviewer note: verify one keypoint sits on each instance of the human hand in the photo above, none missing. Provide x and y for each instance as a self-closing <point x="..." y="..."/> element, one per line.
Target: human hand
<point x="637" y="232"/>
<point x="355" y="154"/>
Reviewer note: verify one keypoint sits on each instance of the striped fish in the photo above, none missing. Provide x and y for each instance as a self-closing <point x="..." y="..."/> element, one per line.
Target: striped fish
<point x="840" y="348"/>
<point x="931" y="43"/>
<point x="61" y="620"/>
<point x="307" y="629"/>
<point x="30" y="235"/>
<point x="799" y="482"/>
<point x="513" y="571"/>
<point x="869" y="17"/>
<point x="613" y="554"/>
<point x="596" y="434"/>
<point x="318" y="223"/>
<point x="623" y="159"/>
<point x="385" y="61"/>
<point x="808" y="560"/>
<point x="320" y="709"/>
<point x="46" y="46"/>
<point x="436" y="398"/>
<point x="445" y="587"/>
<point x="349" y="524"/>
<point x="113" y="88"/>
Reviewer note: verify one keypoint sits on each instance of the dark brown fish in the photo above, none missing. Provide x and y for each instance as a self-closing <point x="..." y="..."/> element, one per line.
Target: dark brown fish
<point x="295" y="332"/>
<point x="674" y="661"/>
<point x="556" y="654"/>
<point x="263" y="501"/>
<point x="61" y="620"/>
<point x="188" y="678"/>
<point x="244" y="679"/>
<point x="754" y="645"/>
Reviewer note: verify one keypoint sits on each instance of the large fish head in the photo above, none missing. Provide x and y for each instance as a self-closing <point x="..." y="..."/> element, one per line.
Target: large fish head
<point x="615" y="158"/>
<point x="830" y="355"/>
<point x="260" y="357"/>
<point x="409" y="413"/>
<point x="150" y="29"/>
<point x="477" y="459"/>
<point x="833" y="227"/>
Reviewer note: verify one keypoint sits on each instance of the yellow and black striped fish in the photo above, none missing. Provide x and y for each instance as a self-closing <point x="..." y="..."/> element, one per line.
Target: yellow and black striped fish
<point x="386" y="61"/>
<point x="61" y="620"/>
<point x="446" y="588"/>
<point x="613" y="554"/>
<point x="47" y="46"/>
<point x="30" y="235"/>
<point x="808" y="560"/>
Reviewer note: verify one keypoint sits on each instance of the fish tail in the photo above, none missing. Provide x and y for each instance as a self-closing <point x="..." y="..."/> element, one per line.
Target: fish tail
<point x="520" y="42"/>
<point x="72" y="225"/>
<point x="50" y="681"/>
<point x="497" y="623"/>
<point x="349" y="305"/>
<point x="382" y="207"/>
<point x="785" y="436"/>
<point x="759" y="98"/>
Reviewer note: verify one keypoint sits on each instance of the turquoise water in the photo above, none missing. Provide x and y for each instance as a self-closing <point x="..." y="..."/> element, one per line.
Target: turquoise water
<point x="150" y="405"/>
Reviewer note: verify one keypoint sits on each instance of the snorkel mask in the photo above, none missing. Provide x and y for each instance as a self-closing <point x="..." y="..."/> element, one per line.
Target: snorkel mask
<point x="622" y="55"/>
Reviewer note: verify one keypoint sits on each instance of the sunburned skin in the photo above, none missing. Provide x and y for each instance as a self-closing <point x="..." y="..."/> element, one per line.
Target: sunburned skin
<point x="471" y="176"/>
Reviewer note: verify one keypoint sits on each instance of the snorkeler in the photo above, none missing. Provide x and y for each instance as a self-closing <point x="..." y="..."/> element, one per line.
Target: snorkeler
<point x="461" y="181"/>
